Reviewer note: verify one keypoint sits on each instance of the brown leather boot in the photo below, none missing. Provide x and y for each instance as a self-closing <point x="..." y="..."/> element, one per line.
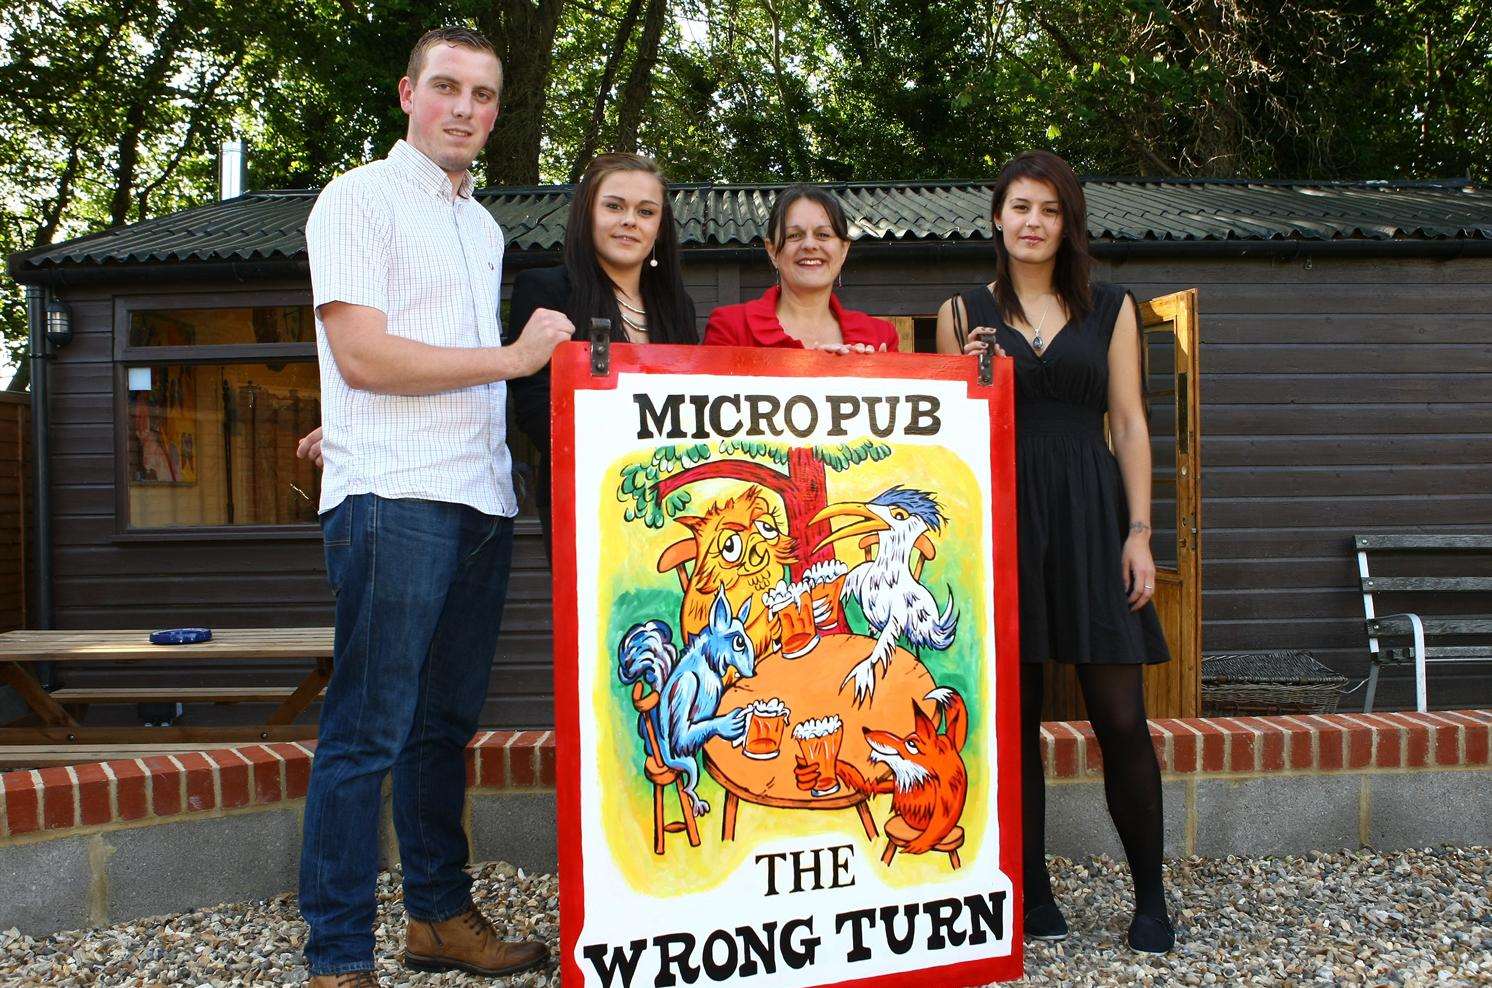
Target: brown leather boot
<point x="468" y="943"/>
<point x="348" y="979"/>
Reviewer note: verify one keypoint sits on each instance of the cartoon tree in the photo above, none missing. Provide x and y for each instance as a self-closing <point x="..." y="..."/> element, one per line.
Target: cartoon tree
<point x="655" y="491"/>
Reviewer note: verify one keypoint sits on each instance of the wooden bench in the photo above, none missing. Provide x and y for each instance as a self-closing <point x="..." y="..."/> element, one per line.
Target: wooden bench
<point x="79" y="698"/>
<point x="59" y="724"/>
<point x="1424" y="637"/>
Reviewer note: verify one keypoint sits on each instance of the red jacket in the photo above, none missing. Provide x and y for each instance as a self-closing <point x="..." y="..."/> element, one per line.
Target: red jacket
<point x="755" y="324"/>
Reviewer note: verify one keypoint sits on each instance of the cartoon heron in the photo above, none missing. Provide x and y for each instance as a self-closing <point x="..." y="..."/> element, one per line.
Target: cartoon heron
<point x="887" y="587"/>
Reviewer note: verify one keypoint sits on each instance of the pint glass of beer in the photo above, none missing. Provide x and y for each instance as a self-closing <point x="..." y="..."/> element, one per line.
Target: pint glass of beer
<point x="791" y="606"/>
<point x="819" y="740"/>
<point x="825" y="581"/>
<point x="766" y="722"/>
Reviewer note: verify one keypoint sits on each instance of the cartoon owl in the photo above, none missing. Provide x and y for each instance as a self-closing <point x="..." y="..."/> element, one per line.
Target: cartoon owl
<point x="737" y="546"/>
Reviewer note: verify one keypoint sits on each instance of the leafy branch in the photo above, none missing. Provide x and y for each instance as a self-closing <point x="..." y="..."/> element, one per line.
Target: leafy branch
<point x="639" y="483"/>
<point x="653" y="489"/>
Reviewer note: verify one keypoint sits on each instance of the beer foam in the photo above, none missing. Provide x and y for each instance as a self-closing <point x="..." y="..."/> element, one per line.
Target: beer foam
<point x="783" y="595"/>
<point x="818" y="727"/>
<point x="772" y="707"/>
<point x="824" y="571"/>
<point x="778" y="597"/>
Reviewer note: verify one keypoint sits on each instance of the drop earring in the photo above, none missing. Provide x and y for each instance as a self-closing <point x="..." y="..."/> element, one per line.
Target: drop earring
<point x="653" y="261"/>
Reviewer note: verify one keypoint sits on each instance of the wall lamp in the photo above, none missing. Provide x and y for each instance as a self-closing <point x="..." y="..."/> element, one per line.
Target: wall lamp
<point x="59" y="324"/>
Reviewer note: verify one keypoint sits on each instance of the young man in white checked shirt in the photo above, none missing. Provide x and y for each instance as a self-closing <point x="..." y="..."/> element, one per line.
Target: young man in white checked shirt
<point x="416" y="513"/>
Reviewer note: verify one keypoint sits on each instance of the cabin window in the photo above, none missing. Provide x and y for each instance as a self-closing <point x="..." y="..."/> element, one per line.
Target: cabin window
<point x="212" y="401"/>
<point x="249" y="326"/>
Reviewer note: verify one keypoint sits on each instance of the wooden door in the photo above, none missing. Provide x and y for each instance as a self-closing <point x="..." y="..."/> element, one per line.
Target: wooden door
<point x="906" y="332"/>
<point x="1168" y="327"/>
<point x="1169" y="338"/>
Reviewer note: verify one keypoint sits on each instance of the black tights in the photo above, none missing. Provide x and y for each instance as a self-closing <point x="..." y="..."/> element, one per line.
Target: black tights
<point x="1115" y="697"/>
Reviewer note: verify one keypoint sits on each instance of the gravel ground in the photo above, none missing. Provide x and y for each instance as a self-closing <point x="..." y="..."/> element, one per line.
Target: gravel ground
<point x="1357" y="918"/>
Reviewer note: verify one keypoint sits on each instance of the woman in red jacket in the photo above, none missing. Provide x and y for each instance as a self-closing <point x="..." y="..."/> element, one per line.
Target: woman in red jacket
<point x="808" y="239"/>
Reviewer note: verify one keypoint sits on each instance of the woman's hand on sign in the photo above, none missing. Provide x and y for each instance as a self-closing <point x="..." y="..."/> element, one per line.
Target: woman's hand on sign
<point x="841" y="349"/>
<point x="309" y="447"/>
<point x="981" y="338"/>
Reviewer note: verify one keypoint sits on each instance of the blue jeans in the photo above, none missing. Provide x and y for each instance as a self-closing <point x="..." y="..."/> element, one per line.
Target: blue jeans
<point x="419" y="597"/>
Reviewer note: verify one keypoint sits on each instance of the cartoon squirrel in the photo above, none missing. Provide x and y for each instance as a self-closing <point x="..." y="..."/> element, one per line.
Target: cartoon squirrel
<point x="927" y="782"/>
<point x="688" y="714"/>
<point x="737" y="548"/>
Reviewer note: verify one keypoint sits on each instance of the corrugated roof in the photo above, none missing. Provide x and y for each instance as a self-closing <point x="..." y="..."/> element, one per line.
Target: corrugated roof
<point x="268" y="225"/>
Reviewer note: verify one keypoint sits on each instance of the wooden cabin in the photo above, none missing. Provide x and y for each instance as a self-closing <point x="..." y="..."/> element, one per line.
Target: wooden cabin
<point x="1345" y="386"/>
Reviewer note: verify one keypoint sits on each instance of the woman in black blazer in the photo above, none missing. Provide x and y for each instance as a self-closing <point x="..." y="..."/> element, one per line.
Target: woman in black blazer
<point x="622" y="265"/>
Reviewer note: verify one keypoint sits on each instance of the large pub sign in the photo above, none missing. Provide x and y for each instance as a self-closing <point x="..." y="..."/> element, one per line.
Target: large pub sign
<point x="785" y="668"/>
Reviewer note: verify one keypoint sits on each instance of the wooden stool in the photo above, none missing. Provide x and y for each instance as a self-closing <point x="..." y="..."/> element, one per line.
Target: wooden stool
<point x="662" y="776"/>
<point x="899" y="834"/>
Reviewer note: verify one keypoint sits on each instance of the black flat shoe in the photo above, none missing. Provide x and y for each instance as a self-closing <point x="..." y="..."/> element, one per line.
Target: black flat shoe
<point x="1151" y="934"/>
<point x="1045" y="922"/>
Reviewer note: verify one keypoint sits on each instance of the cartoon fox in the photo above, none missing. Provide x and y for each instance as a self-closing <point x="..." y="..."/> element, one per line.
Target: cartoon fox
<point x="927" y="781"/>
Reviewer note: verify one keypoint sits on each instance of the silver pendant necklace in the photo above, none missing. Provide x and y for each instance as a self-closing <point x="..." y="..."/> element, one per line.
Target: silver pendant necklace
<point x="1037" y="343"/>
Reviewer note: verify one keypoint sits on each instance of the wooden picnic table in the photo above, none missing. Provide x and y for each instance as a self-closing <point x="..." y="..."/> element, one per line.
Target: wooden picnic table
<point x="59" y="726"/>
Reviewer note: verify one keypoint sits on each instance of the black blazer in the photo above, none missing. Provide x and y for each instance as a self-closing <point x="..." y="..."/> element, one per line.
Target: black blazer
<point x="542" y="288"/>
<point x="534" y="288"/>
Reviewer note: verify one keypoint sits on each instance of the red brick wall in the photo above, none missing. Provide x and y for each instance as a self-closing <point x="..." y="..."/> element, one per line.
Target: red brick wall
<point x="130" y="792"/>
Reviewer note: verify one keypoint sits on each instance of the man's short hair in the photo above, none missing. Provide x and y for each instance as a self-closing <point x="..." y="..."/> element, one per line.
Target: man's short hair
<point x="462" y="37"/>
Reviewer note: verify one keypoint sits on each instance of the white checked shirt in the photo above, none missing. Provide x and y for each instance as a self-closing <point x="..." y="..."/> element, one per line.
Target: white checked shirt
<point x="391" y="235"/>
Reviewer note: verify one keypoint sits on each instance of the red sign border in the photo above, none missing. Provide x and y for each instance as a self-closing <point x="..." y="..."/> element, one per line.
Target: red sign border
<point x="570" y="371"/>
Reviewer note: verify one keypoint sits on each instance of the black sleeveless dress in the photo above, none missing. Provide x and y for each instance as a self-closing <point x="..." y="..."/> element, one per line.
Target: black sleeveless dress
<point x="1072" y="516"/>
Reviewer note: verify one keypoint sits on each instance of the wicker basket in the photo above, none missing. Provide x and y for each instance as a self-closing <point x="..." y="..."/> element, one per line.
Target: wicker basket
<point x="1262" y="683"/>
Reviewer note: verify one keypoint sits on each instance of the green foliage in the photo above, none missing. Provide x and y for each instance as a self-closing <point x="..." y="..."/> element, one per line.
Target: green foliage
<point x="757" y="449"/>
<point x="638" y="483"/>
<point x="114" y="110"/>
<point x="845" y="455"/>
<point x="109" y="109"/>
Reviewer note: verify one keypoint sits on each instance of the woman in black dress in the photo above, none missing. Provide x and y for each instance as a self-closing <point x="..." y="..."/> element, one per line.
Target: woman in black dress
<point x="1083" y="513"/>
<point x="621" y="264"/>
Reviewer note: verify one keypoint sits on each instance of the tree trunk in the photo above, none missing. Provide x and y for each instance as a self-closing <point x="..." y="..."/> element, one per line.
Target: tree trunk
<point x="792" y="136"/>
<point x="153" y="78"/>
<point x="523" y="31"/>
<point x="592" y="137"/>
<point x="810" y="496"/>
<point x="52" y="216"/>
<point x="124" y="170"/>
<point x="202" y="104"/>
<point x="639" y="85"/>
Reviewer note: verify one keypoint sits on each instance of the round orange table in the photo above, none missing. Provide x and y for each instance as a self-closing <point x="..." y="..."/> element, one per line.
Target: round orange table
<point x="810" y="687"/>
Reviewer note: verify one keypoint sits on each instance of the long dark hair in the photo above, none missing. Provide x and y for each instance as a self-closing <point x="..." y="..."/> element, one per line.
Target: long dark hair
<point x="1071" y="273"/>
<point x="592" y="293"/>
<point x="777" y="221"/>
